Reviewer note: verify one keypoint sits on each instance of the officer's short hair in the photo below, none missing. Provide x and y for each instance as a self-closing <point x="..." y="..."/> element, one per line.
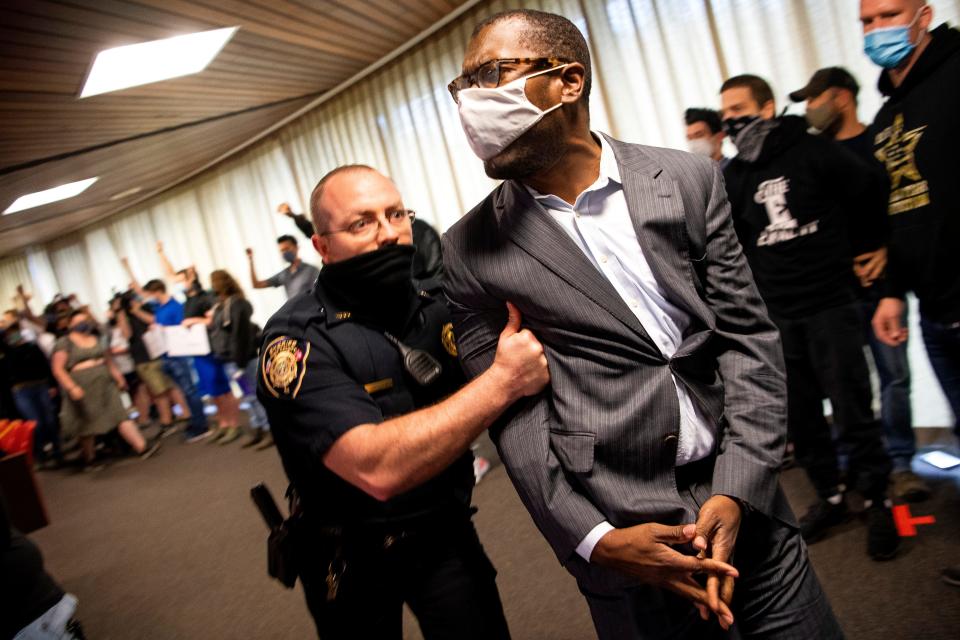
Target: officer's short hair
<point x="320" y="217"/>
<point x="759" y="88"/>
<point x="287" y="238"/>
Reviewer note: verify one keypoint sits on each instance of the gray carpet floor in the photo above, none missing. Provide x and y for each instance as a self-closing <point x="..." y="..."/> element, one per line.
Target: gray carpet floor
<point x="172" y="548"/>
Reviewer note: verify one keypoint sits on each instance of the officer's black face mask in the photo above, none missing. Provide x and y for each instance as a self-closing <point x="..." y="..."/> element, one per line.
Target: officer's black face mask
<point x="376" y="286"/>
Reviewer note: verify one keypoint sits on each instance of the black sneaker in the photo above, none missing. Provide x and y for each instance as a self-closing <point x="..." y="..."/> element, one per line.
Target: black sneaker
<point x="951" y="575"/>
<point x="883" y="540"/>
<point x="820" y="517"/>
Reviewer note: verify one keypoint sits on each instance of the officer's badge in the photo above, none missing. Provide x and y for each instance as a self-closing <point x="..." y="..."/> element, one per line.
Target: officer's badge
<point x="448" y="339"/>
<point x="284" y="365"/>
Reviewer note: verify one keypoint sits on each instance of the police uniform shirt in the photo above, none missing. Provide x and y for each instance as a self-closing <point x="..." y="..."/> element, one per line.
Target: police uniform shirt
<point x="323" y="372"/>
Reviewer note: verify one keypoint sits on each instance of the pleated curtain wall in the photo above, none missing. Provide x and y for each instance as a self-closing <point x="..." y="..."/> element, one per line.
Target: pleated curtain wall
<point x="652" y="59"/>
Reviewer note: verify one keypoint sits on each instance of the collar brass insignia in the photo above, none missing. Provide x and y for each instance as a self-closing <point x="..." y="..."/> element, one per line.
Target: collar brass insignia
<point x="448" y="339"/>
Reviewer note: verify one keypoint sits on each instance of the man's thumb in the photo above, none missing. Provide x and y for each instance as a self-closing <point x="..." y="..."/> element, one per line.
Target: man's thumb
<point x="513" y="320"/>
<point x="676" y="534"/>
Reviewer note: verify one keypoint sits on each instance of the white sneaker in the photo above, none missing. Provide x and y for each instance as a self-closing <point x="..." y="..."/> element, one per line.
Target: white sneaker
<point x="480" y="468"/>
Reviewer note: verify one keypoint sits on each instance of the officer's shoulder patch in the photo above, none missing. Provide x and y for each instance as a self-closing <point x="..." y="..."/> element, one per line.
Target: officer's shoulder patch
<point x="283" y="365"/>
<point x="448" y="339"/>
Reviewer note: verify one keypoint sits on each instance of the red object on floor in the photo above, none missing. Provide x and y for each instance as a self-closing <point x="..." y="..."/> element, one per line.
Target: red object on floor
<point x="16" y="436"/>
<point x="906" y="522"/>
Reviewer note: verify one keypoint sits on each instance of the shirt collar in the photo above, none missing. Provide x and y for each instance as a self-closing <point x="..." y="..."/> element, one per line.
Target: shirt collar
<point x="608" y="161"/>
<point x="609" y="172"/>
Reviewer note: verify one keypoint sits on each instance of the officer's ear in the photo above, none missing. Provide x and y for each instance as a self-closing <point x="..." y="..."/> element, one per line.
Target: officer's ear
<point x="321" y="246"/>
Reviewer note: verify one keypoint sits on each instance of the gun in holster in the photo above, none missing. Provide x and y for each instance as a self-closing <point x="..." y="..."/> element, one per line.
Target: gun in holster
<point x="282" y="562"/>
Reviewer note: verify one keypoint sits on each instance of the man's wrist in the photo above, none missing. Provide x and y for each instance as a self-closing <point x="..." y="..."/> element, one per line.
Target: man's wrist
<point x="500" y="386"/>
<point x="744" y="507"/>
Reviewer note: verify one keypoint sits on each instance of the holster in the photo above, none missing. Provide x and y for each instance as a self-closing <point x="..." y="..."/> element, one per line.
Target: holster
<point x="282" y="562"/>
<point x="283" y="549"/>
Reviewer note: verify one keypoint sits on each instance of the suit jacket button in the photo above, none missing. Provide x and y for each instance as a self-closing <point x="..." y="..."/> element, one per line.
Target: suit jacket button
<point x="669" y="438"/>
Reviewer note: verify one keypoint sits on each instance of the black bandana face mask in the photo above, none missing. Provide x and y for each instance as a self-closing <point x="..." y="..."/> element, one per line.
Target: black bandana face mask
<point x="733" y="126"/>
<point x="376" y="286"/>
<point x="748" y="133"/>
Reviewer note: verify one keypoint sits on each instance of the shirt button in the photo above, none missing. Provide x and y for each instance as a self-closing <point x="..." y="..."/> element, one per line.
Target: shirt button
<point x="603" y="259"/>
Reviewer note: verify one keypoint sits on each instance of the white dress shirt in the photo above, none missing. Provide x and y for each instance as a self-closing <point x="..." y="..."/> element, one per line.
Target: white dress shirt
<point x="599" y="223"/>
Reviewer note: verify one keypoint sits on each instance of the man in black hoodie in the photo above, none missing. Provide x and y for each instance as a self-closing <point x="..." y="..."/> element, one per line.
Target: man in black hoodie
<point x="916" y="133"/>
<point x="831" y="97"/>
<point x="803" y="207"/>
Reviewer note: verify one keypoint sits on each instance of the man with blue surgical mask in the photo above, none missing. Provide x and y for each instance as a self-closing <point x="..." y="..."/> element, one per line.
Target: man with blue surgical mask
<point x="654" y="451"/>
<point x="916" y="135"/>
<point x="297" y="278"/>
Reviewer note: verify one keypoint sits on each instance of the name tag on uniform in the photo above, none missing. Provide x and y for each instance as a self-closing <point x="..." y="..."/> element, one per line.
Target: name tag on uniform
<point x="379" y="385"/>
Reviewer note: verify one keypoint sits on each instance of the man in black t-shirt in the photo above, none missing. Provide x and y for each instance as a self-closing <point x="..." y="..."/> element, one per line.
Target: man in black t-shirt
<point x="803" y="207"/>
<point x="831" y="97"/>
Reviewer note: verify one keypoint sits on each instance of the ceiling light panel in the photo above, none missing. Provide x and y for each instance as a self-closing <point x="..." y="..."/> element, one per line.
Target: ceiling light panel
<point x="47" y="196"/>
<point x="137" y="64"/>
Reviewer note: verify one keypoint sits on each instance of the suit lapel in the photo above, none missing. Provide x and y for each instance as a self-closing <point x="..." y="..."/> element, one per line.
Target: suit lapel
<point x="656" y="209"/>
<point x="534" y="231"/>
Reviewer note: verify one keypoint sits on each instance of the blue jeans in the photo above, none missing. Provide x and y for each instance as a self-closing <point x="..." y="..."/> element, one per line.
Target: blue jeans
<point x="181" y="371"/>
<point x="893" y="369"/>
<point x="34" y="403"/>
<point x="246" y="379"/>
<point x="943" y="349"/>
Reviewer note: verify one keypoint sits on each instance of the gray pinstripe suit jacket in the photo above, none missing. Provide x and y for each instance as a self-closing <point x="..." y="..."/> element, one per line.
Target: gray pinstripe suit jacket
<point x="600" y="442"/>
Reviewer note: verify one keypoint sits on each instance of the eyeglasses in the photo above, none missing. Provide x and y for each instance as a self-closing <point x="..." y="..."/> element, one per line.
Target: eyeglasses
<point x="487" y="75"/>
<point x="369" y="226"/>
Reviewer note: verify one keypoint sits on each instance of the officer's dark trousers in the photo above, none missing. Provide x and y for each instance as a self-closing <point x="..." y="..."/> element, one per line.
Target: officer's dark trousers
<point x="824" y="357"/>
<point x="440" y="571"/>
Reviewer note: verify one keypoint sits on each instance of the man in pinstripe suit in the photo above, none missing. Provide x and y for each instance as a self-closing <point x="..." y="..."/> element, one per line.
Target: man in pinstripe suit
<point x="651" y="461"/>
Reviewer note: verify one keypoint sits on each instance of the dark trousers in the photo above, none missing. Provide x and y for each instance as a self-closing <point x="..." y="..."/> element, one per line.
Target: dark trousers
<point x="777" y="595"/>
<point x="33" y="401"/>
<point x="440" y="571"/>
<point x="824" y="357"/>
<point x="893" y="369"/>
<point x="943" y="349"/>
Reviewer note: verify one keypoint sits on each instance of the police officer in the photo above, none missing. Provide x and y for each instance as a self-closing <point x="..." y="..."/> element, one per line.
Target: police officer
<point x="363" y="390"/>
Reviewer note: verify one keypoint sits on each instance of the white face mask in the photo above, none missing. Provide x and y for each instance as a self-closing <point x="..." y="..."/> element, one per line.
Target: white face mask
<point x="494" y="118"/>
<point x="701" y="147"/>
